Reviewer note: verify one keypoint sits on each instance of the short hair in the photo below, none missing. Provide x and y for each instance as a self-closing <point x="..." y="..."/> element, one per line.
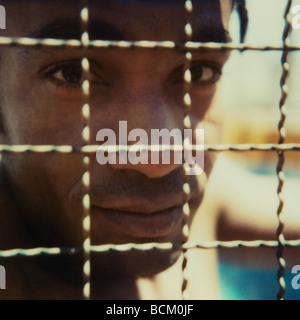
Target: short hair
<point x="240" y="6"/>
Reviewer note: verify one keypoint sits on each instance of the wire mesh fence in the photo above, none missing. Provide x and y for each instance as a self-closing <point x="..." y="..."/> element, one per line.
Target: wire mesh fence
<point x="87" y="149"/>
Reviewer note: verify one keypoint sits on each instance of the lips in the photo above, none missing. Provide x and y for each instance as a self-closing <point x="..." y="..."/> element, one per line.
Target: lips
<point x="138" y="223"/>
<point x="130" y="207"/>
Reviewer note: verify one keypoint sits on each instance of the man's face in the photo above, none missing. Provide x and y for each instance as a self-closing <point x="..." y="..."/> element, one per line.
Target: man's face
<point x="41" y="100"/>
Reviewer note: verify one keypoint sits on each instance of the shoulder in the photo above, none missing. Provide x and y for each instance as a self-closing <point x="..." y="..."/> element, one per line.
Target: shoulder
<point x="225" y="185"/>
<point x="226" y="179"/>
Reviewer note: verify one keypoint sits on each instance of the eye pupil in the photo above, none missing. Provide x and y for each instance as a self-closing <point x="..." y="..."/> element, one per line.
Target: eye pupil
<point x="197" y="73"/>
<point x="72" y="74"/>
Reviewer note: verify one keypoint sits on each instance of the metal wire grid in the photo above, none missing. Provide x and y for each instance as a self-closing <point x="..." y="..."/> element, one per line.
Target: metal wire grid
<point x="188" y="47"/>
<point x="186" y="125"/>
<point x="281" y="140"/>
<point x="85" y="112"/>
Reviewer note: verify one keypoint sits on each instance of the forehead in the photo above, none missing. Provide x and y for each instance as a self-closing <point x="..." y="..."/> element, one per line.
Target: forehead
<point x="136" y="19"/>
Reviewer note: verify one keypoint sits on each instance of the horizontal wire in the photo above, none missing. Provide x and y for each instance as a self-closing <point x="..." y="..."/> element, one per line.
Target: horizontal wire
<point x="149" y="246"/>
<point x="135" y="148"/>
<point x="31" y="42"/>
<point x="190" y="45"/>
<point x="37" y="251"/>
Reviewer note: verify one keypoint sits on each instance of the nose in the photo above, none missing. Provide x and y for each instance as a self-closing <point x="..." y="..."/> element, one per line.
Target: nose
<point x="149" y="124"/>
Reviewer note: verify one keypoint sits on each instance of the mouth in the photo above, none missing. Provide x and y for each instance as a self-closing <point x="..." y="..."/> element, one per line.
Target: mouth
<point x="141" y="225"/>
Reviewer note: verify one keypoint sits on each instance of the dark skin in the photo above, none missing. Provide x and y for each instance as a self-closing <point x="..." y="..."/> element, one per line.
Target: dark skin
<point x="42" y="193"/>
<point x="47" y="189"/>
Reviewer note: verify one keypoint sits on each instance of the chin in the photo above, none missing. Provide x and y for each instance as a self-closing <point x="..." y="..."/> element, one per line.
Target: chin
<point x="133" y="263"/>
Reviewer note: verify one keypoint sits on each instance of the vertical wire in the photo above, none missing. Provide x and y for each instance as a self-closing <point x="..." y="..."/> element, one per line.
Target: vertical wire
<point x="281" y="156"/>
<point x="85" y="112"/>
<point x="186" y="125"/>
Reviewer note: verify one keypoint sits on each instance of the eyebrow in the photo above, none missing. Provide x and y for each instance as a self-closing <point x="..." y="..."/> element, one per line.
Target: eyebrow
<point x="100" y="30"/>
<point x="71" y="29"/>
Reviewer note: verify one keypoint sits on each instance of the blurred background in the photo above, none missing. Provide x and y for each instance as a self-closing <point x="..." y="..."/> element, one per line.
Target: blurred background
<point x="251" y="93"/>
<point x="251" y="89"/>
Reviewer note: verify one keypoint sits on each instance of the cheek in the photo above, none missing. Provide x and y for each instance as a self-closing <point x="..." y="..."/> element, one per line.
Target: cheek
<point x="43" y="185"/>
<point x="51" y="174"/>
<point x="39" y="126"/>
<point x="202" y="102"/>
<point x="210" y="119"/>
<point x="35" y="116"/>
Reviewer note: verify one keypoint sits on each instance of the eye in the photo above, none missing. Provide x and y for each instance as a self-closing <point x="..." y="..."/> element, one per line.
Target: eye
<point x="205" y="74"/>
<point x="72" y="74"/>
<point x="65" y="73"/>
<point x="202" y="73"/>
